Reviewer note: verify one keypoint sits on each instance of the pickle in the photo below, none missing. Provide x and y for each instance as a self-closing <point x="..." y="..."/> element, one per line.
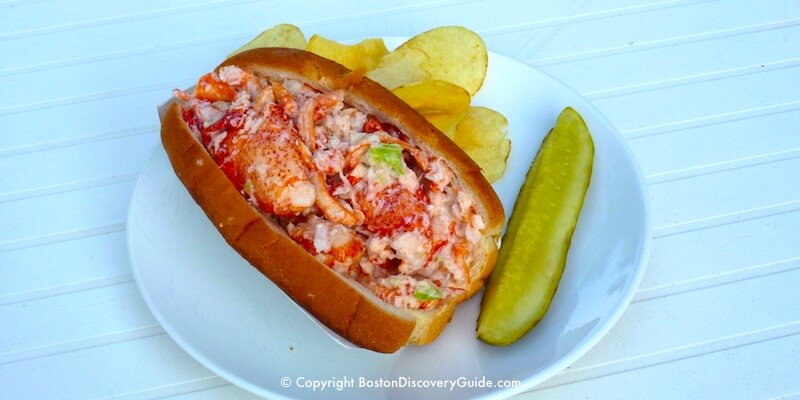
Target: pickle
<point x="535" y="245"/>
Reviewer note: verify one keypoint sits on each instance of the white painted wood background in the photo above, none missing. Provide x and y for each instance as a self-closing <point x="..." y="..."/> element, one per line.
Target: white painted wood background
<point x="707" y="93"/>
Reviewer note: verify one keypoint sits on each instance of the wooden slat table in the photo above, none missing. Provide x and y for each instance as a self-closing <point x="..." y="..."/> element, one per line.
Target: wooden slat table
<point x="707" y="94"/>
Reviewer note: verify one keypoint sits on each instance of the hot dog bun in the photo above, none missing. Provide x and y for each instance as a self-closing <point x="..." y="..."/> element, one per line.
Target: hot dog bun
<point x="341" y="304"/>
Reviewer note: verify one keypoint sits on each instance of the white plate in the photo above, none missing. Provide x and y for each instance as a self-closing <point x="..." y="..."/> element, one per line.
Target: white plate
<point x="238" y="324"/>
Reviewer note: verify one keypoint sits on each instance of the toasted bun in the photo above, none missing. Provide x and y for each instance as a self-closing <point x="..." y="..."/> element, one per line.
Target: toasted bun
<point x="341" y="304"/>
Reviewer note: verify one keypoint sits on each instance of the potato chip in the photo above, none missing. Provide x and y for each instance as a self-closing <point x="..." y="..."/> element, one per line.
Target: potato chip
<point x="283" y="35"/>
<point x="482" y="126"/>
<point x="431" y="96"/>
<point x="482" y="135"/>
<point x="442" y="103"/>
<point x="446" y="122"/>
<point x="400" y="67"/>
<point x="364" y="55"/>
<point x="492" y="160"/>
<point x="455" y="54"/>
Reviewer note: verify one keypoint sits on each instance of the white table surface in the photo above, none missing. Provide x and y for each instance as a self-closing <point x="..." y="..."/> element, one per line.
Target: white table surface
<point x="707" y="94"/>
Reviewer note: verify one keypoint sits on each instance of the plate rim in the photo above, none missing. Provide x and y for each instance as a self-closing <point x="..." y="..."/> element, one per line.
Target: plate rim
<point x="586" y="344"/>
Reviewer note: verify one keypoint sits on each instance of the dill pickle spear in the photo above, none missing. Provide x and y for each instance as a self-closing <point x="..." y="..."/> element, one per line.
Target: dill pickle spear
<point x="535" y="245"/>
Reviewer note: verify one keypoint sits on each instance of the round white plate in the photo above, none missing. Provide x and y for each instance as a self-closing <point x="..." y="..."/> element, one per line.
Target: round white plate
<point x="241" y="326"/>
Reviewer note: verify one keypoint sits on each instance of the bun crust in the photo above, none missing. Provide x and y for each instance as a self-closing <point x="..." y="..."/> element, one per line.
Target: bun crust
<point x="342" y="305"/>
